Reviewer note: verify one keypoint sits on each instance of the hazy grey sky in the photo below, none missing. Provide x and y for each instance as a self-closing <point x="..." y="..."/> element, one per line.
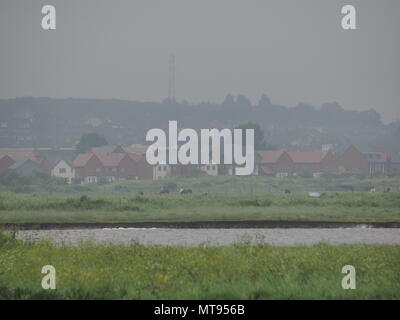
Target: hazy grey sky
<point x="292" y="50"/>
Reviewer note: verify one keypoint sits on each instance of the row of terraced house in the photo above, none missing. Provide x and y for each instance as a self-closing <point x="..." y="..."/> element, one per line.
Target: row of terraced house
<point x="112" y="163"/>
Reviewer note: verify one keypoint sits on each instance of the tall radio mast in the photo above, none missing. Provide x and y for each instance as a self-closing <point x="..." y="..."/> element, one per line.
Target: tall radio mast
<point x="171" y="80"/>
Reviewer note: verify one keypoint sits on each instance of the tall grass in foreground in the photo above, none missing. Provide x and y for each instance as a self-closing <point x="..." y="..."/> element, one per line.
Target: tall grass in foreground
<point x="240" y="271"/>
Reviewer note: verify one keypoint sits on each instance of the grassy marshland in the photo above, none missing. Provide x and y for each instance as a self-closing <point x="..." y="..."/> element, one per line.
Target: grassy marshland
<point x="241" y="271"/>
<point x="174" y="207"/>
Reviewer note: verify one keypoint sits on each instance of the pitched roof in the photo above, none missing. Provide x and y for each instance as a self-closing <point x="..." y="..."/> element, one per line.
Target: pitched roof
<point x="55" y="161"/>
<point x="19" y="163"/>
<point x="270" y="156"/>
<point x="111" y="159"/>
<point x="6" y="158"/>
<point x="82" y="159"/>
<point x="137" y="157"/>
<point x="17" y="155"/>
<point x="308" y="156"/>
<point x="5" y="162"/>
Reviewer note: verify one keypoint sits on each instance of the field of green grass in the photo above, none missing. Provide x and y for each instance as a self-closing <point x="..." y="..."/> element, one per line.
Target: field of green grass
<point x="15" y="208"/>
<point x="240" y="271"/>
<point x="222" y="185"/>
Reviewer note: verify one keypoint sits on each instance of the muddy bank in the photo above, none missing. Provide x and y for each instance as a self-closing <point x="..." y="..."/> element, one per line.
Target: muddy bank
<point x="245" y="224"/>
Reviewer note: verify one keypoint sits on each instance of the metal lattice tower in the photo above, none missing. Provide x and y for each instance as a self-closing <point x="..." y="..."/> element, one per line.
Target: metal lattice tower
<point x="171" y="80"/>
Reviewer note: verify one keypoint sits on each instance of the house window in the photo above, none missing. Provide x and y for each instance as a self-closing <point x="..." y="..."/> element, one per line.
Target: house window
<point x="159" y="168"/>
<point x="92" y="179"/>
<point x="282" y="174"/>
<point x="62" y="170"/>
<point x="114" y="169"/>
<point x="98" y="169"/>
<point x="208" y="167"/>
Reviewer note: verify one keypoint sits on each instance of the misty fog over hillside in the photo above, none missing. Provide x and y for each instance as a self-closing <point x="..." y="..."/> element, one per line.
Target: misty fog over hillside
<point x="46" y="122"/>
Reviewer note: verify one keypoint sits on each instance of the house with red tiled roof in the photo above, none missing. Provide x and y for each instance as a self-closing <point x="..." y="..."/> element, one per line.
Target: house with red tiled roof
<point x="87" y="168"/>
<point x="142" y="169"/>
<point x="5" y="162"/>
<point x="352" y="161"/>
<point x="26" y="167"/>
<point x="9" y="157"/>
<point x="274" y="162"/>
<point x="314" y="162"/>
<point x="90" y="167"/>
<point x="112" y="168"/>
<point x="18" y="155"/>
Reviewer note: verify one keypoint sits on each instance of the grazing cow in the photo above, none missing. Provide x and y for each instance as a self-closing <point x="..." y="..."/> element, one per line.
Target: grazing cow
<point x="204" y="194"/>
<point x="141" y="193"/>
<point x="287" y="191"/>
<point x="185" y="191"/>
<point x="372" y="189"/>
<point x="387" y="190"/>
<point x="164" y="191"/>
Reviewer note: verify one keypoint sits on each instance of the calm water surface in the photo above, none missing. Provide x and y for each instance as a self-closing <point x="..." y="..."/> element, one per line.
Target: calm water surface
<point x="195" y="237"/>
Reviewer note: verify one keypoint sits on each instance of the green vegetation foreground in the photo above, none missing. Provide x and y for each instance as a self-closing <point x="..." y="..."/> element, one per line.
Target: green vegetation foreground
<point x="351" y="206"/>
<point x="241" y="271"/>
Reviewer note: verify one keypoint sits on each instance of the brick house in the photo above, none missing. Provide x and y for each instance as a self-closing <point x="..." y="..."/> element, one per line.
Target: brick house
<point x="88" y="168"/>
<point x="45" y="165"/>
<point x="10" y="157"/>
<point x="5" y="162"/>
<point x="19" y="154"/>
<point x="352" y="161"/>
<point x="112" y="168"/>
<point x="314" y="162"/>
<point x="138" y="167"/>
<point x="274" y="162"/>
<point x="26" y="167"/>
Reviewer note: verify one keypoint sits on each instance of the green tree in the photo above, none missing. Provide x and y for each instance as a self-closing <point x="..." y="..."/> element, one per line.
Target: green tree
<point x="259" y="138"/>
<point x="90" y="140"/>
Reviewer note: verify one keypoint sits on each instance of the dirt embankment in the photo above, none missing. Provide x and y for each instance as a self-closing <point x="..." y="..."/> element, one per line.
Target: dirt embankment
<point x="201" y="224"/>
